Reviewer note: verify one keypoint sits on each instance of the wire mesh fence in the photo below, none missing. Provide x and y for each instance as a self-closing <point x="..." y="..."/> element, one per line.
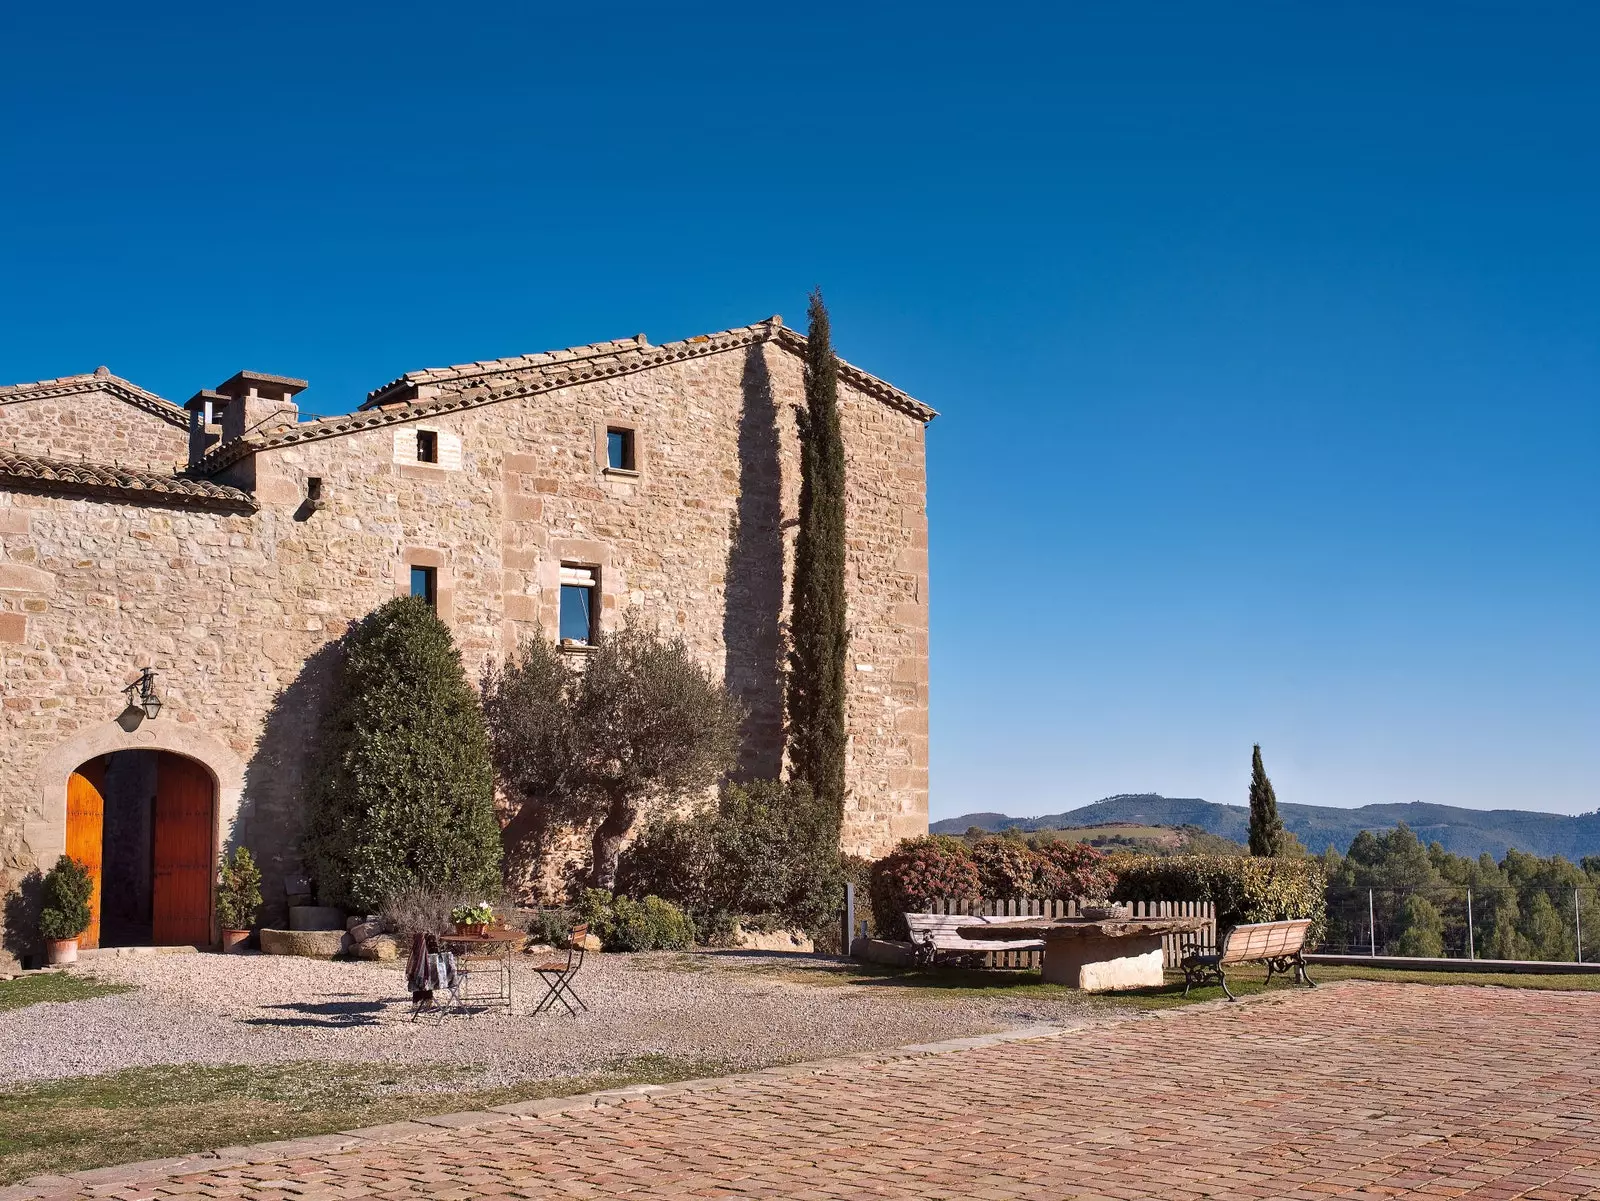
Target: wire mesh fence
<point x="1553" y="924"/>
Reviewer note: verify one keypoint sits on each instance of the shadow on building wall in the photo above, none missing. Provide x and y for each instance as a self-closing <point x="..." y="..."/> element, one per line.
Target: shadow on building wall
<point x="273" y="808"/>
<point x="547" y="856"/>
<point x="20" y="919"/>
<point x="752" y="623"/>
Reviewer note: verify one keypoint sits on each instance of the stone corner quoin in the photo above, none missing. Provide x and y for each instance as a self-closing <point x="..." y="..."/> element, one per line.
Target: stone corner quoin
<point x="226" y="543"/>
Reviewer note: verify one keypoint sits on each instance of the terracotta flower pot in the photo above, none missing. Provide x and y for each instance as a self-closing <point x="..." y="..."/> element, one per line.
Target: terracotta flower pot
<point x="233" y="941"/>
<point x="61" y="950"/>
<point x="471" y="928"/>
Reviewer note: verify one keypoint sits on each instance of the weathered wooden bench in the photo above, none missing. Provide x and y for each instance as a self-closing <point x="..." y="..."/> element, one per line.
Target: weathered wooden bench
<point x="932" y="933"/>
<point x="1280" y="945"/>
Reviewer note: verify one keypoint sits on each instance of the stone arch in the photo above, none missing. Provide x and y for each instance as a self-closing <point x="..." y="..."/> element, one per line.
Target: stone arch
<point x="45" y="830"/>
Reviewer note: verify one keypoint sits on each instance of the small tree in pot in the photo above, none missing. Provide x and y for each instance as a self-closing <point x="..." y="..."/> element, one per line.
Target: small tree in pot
<point x="65" y="911"/>
<point x="238" y="897"/>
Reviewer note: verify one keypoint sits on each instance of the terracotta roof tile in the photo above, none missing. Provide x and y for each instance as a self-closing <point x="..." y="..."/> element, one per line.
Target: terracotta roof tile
<point x="557" y="369"/>
<point x="37" y="474"/>
<point x="97" y="381"/>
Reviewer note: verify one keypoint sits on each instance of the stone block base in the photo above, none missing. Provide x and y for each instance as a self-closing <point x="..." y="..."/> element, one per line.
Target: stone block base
<point x="772" y="940"/>
<point x="310" y="944"/>
<point x="884" y="951"/>
<point x="1104" y="964"/>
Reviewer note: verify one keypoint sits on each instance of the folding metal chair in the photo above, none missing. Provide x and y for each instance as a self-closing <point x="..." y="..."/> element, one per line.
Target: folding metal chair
<point x="558" y="975"/>
<point x="435" y="979"/>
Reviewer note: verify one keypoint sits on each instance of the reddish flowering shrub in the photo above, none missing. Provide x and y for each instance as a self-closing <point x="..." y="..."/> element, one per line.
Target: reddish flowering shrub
<point x="1006" y="868"/>
<point x="920" y="870"/>
<point x="1072" y="870"/>
<point x="916" y="871"/>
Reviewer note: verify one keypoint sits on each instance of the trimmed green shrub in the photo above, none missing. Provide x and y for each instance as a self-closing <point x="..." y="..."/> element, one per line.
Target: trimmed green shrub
<point x="623" y="924"/>
<point x="238" y="890"/>
<point x="64" y="912"/>
<point x="919" y="869"/>
<point x="405" y="796"/>
<point x="1243" y="889"/>
<point x="767" y="848"/>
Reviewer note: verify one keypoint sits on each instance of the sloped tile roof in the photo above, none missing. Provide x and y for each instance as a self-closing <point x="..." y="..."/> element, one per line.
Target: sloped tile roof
<point x="399" y="401"/>
<point x="97" y="381"/>
<point x="34" y="474"/>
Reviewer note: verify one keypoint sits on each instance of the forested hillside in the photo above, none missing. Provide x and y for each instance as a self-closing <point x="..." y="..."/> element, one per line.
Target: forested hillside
<point x="1469" y="832"/>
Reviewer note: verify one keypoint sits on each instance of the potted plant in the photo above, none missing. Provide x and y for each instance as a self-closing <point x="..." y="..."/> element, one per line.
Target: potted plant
<point x="65" y="913"/>
<point x="238" y="898"/>
<point x="472" y="919"/>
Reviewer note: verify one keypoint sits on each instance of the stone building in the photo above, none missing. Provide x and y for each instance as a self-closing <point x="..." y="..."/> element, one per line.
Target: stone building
<point x="226" y="545"/>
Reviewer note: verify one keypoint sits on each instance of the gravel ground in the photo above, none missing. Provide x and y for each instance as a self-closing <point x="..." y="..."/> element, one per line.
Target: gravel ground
<point x="738" y="1010"/>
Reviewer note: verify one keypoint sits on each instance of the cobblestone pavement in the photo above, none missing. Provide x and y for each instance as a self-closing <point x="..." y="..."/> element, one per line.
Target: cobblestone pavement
<point x="1353" y="1090"/>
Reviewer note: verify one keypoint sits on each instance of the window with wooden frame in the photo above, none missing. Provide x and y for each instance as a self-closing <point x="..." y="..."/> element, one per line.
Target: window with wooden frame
<point x="427" y="446"/>
<point x="619" y="449"/>
<point x="580" y="604"/>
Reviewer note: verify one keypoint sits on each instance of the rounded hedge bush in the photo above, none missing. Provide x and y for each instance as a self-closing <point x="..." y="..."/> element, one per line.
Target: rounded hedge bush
<point x="1073" y="870"/>
<point x="917" y="871"/>
<point x="1244" y="888"/>
<point x="405" y="795"/>
<point x="624" y="924"/>
<point x="935" y="867"/>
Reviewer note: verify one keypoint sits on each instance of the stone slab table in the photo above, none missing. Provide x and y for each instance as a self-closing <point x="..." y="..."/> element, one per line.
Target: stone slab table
<point x="1096" y="956"/>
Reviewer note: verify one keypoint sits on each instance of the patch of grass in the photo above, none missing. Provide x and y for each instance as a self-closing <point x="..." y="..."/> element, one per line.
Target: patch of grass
<point x="1574" y="983"/>
<point x="963" y="982"/>
<point x="152" y="1112"/>
<point x="39" y="987"/>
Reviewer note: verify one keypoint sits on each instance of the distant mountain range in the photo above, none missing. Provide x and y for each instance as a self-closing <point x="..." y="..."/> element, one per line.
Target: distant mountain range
<point x="1461" y="831"/>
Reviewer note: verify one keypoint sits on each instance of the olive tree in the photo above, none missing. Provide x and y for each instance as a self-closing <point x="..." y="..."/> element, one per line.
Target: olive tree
<point x="598" y="741"/>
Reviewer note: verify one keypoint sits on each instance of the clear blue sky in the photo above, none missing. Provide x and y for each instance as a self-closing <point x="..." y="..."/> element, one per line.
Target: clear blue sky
<point x="1266" y="337"/>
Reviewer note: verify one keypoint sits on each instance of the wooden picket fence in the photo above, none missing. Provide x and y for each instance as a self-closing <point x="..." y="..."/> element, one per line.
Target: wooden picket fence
<point x="1172" y="944"/>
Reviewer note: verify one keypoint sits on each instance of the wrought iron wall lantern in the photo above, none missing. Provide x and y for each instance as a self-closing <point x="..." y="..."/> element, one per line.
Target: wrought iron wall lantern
<point x="142" y="694"/>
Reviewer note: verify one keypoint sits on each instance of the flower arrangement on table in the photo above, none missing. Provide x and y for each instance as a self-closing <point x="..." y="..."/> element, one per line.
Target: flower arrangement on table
<point x="473" y="919"/>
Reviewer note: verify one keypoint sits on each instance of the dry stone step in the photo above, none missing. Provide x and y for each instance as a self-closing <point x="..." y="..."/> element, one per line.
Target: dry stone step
<point x="309" y="944"/>
<point x="381" y="947"/>
<point x="797" y="941"/>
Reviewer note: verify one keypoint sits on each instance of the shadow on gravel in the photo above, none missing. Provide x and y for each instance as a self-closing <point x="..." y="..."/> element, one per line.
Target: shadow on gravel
<point x="327" y="1013"/>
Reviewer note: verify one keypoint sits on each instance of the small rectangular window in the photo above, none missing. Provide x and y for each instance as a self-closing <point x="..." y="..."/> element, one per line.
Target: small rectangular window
<point x="424" y="585"/>
<point x="579" y="593"/>
<point x="427" y="446"/>
<point x="619" y="450"/>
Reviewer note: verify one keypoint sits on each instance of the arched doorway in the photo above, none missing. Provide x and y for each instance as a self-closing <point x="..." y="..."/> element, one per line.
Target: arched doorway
<point x="145" y="822"/>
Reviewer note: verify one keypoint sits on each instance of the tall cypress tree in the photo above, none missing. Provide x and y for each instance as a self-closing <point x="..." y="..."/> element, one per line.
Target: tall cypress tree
<point x="818" y="633"/>
<point x="1266" y="827"/>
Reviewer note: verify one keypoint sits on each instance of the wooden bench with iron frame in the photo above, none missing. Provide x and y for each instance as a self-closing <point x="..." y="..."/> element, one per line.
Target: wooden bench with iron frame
<point x="1279" y="945"/>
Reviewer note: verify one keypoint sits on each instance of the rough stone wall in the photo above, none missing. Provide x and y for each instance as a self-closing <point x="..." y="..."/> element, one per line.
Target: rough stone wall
<point x="239" y="613"/>
<point x="94" y="425"/>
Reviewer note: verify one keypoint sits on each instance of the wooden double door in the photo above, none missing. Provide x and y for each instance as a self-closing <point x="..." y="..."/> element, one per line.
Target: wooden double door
<point x="181" y="846"/>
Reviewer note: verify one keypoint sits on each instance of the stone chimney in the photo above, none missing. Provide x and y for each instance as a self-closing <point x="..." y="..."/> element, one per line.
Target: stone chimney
<point x="205" y="423"/>
<point x="258" y="403"/>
